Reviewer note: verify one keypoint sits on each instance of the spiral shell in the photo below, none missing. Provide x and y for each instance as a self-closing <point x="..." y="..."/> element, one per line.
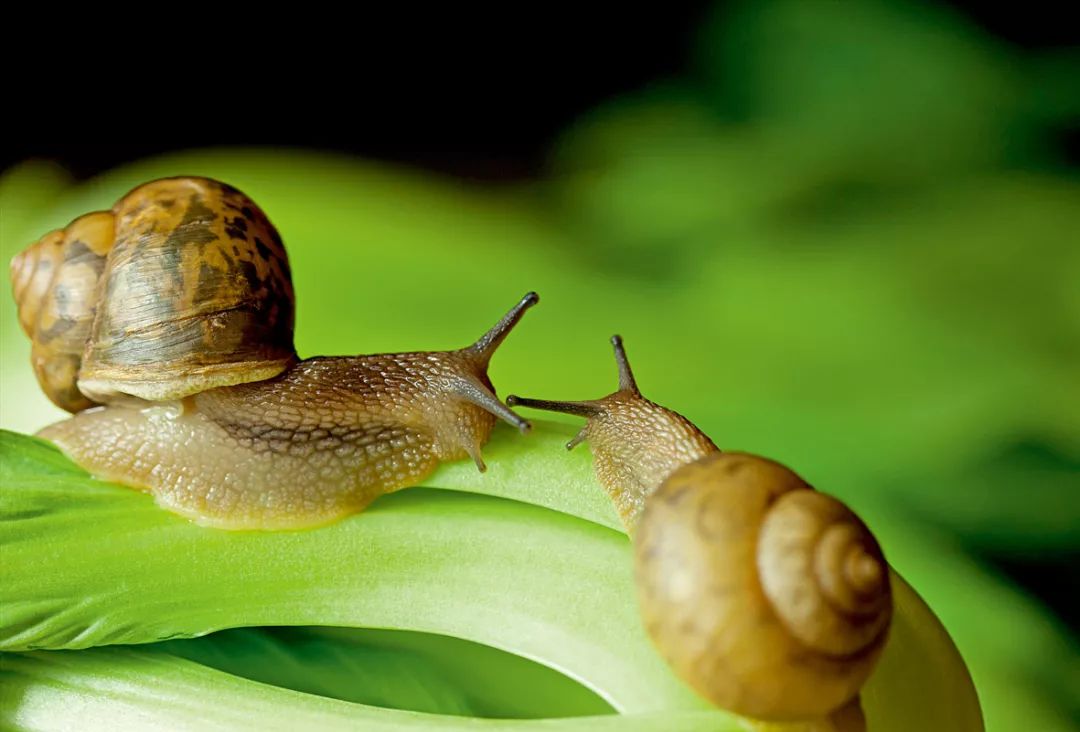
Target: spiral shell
<point x="55" y="284"/>
<point x="770" y="599"/>
<point x="182" y="287"/>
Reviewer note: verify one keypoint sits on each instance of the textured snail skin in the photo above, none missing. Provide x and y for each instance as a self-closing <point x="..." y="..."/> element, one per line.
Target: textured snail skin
<point x="175" y="311"/>
<point x="636" y="444"/>
<point x="768" y="598"/>
<point x="319" y="442"/>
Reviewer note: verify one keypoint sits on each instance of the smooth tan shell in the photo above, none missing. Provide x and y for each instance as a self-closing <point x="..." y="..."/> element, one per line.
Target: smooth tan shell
<point x="193" y="291"/>
<point x="745" y="578"/>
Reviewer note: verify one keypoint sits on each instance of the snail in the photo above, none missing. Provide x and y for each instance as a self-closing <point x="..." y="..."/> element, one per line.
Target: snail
<point x="166" y="326"/>
<point x="768" y="598"/>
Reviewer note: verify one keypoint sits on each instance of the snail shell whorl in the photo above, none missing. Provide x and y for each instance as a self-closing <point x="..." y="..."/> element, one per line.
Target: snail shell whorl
<point x="182" y="287"/>
<point x="770" y="599"/>
<point x="824" y="573"/>
<point x="55" y="285"/>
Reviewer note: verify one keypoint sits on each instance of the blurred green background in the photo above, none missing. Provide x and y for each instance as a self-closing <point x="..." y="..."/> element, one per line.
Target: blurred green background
<point x="844" y="235"/>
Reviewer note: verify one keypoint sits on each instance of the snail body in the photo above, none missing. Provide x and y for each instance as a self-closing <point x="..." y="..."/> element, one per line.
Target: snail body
<point x="769" y="598"/>
<point x="187" y="385"/>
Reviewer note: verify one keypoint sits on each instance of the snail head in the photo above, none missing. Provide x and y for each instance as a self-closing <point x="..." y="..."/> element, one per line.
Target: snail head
<point x="636" y="443"/>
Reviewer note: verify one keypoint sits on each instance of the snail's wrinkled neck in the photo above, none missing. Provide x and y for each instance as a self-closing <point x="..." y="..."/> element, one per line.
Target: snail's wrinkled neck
<point x="637" y="445"/>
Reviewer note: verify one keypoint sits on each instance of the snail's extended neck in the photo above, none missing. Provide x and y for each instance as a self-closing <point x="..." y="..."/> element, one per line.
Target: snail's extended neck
<point x="398" y="385"/>
<point x="636" y="445"/>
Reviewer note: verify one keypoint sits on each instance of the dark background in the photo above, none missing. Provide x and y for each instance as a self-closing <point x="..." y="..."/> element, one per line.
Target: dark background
<point x="479" y="98"/>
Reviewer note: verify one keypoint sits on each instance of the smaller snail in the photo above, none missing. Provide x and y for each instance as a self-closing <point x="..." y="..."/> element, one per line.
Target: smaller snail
<point x="768" y="598"/>
<point x="166" y="325"/>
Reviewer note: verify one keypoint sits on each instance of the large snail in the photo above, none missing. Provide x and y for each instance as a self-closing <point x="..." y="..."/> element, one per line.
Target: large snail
<point x="770" y="599"/>
<point x="166" y="324"/>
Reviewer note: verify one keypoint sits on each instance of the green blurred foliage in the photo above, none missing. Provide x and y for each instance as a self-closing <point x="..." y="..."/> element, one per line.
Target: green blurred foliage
<point x="841" y="239"/>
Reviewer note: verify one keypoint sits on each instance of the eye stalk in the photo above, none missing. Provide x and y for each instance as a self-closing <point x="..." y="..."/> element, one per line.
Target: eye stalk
<point x="636" y="443"/>
<point x="472" y="388"/>
<point x="588" y="408"/>
<point x="485" y="347"/>
<point x="626" y="374"/>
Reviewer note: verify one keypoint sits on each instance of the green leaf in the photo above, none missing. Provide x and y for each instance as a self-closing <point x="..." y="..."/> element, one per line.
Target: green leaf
<point x="122" y="689"/>
<point x="96" y="564"/>
<point x="395" y="669"/>
<point x="537" y="470"/>
<point x="110" y="567"/>
<point x="495" y="684"/>
<point x="296" y="659"/>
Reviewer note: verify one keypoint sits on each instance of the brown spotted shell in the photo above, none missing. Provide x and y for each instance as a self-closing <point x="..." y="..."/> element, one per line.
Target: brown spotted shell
<point x="184" y="285"/>
<point x="769" y="598"/>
